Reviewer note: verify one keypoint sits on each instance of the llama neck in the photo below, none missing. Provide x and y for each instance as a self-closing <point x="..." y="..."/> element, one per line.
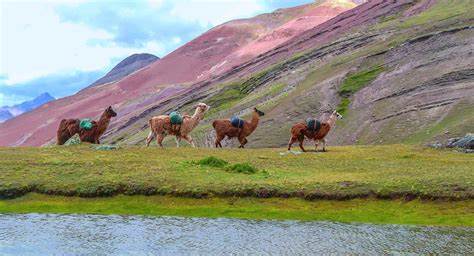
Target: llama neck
<point x="103" y="123"/>
<point x="197" y="116"/>
<point x="332" y="120"/>
<point x="253" y="122"/>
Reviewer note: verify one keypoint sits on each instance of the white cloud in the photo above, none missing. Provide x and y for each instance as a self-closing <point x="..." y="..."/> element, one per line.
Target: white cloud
<point x="176" y="40"/>
<point x="11" y="100"/>
<point x="35" y="43"/>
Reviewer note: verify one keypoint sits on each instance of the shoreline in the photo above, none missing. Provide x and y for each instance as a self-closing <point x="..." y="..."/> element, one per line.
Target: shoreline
<point x="374" y="211"/>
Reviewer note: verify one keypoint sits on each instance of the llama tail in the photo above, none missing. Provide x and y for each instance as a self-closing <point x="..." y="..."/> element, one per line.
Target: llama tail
<point x="214" y="123"/>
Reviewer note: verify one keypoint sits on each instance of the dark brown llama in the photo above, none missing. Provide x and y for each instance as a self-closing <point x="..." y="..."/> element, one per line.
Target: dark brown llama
<point x="68" y="127"/>
<point x="300" y="130"/>
<point x="224" y="128"/>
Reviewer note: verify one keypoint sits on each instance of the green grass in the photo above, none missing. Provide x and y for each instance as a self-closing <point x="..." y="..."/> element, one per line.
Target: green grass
<point x="226" y="97"/>
<point x="343" y="106"/>
<point x="242" y="168"/>
<point x="355" y="82"/>
<point x="196" y="182"/>
<point x="459" y="119"/>
<point x="212" y="161"/>
<point x="341" y="173"/>
<point x="443" y="10"/>
<point x="415" y="212"/>
<point x="359" y="80"/>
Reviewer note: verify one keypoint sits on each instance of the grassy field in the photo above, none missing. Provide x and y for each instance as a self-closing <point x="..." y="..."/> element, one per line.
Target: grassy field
<point x="391" y="171"/>
<point x="415" y="212"/>
<point x="250" y="183"/>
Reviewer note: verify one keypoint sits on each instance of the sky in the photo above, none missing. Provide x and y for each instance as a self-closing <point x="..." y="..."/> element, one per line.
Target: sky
<point x="61" y="47"/>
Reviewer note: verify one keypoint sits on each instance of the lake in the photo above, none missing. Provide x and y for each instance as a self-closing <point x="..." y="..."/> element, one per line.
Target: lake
<point x="36" y="234"/>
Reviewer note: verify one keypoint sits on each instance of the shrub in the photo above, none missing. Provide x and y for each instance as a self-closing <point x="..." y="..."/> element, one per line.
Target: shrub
<point x="212" y="161"/>
<point x="242" y="168"/>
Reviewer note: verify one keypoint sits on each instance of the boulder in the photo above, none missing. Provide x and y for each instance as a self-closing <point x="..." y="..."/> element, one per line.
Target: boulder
<point x="74" y="140"/>
<point x="467" y="142"/>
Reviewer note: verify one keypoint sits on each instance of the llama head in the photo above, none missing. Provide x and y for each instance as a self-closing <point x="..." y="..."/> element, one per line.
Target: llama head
<point x="335" y="113"/>
<point x="203" y="107"/>
<point x="110" y="112"/>
<point x="260" y="113"/>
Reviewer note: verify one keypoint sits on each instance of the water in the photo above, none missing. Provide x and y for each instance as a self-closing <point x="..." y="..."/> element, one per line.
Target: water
<point x="38" y="234"/>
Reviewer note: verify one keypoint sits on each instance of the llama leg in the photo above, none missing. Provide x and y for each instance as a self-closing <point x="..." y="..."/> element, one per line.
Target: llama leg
<point x="218" y="141"/>
<point x="301" y="140"/>
<point x="177" y="141"/>
<point x="293" y="139"/>
<point x="151" y="134"/>
<point x="189" y="139"/>
<point x="159" y="139"/>
<point x="324" y="145"/>
<point x="316" y="143"/>
<point x="242" y="141"/>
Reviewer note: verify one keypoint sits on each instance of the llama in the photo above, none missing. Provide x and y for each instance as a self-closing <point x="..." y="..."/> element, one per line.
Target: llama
<point x="300" y="130"/>
<point x="68" y="127"/>
<point x="224" y="128"/>
<point x="160" y="126"/>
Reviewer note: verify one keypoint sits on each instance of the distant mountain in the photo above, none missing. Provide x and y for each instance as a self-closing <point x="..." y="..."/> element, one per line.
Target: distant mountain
<point x="7" y="112"/>
<point x="5" y="115"/>
<point x="125" y="67"/>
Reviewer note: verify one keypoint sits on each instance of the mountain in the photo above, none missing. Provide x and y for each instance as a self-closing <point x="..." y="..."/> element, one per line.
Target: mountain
<point x="126" y="67"/>
<point x="208" y="55"/>
<point x="399" y="71"/>
<point x="7" y="112"/>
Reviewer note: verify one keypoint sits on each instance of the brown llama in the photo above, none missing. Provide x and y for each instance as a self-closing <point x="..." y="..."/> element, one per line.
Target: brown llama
<point x="224" y="128"/>
<point x="300" y="130"/>
<point x="68" y="127"/>
<point x="160" y="126"/>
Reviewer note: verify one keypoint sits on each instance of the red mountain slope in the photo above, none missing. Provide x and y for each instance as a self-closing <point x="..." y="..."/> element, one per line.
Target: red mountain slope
<point x="211" y="54"/>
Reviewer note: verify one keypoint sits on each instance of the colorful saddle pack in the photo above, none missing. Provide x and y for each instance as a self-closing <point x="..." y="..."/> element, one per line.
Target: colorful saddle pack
<point x="85" y="124"/>
<point x="176" y="118"/>
<point x="237" y="122"/>
<point x="313" y="124"/>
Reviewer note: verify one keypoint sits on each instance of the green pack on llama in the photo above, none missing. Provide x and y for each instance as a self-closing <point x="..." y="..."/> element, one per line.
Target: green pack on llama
<point x="176" y="117"/>
<point x="85" y="124"/>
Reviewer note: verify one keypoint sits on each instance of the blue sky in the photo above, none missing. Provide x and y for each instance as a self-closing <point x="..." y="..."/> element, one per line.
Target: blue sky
<point x="62" y="46"/>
